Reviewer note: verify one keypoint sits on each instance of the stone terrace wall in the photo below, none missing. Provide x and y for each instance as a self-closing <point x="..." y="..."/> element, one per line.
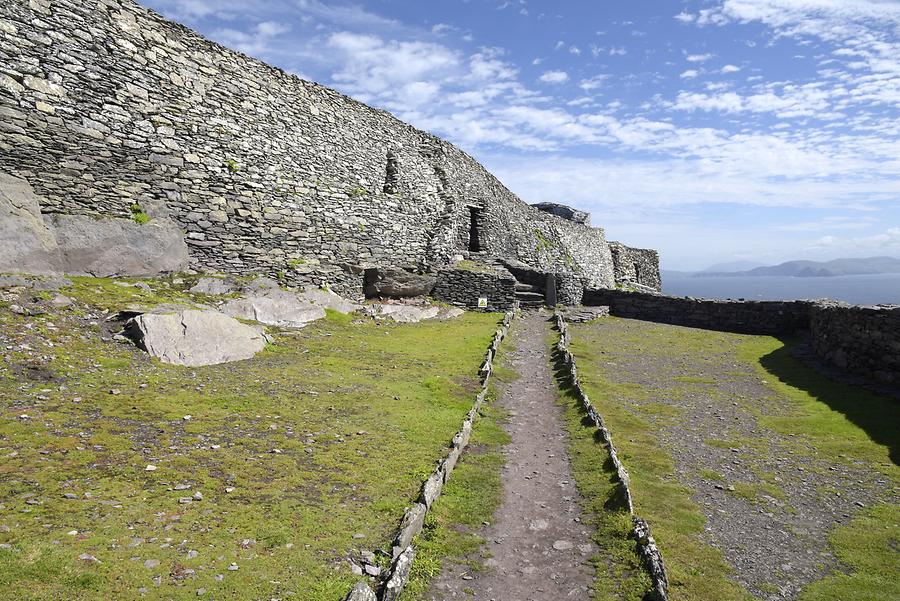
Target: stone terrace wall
<point x="635" y="265"/>
<point x="861" y="340"/>
<point x="864" y="340"/>
<point x="104" y="104"/>
<point x="463" y="288"/>
<point x="751" y="317"/>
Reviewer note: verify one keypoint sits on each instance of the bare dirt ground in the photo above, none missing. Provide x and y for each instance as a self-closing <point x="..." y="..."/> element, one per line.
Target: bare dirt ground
<point x="537" y="547"/>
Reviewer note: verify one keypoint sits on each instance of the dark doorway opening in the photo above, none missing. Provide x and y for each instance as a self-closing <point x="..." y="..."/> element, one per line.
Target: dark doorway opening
<point x="475" y="229"/>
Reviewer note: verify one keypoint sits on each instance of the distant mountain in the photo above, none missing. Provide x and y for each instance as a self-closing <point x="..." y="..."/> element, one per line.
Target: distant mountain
<point x="733" y="267"/>
<point x="816" y="269"/>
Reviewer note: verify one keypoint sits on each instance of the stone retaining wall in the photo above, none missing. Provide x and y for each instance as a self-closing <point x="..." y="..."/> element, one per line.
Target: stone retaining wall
<point x="105" y="105"/>
<point x="394" y="580"/>
<point x="745" y="317"/>
<point x="859" y="339"/>
<point x="463" y="288"/>
<point x="863" y="340"/>
<point x="651" y="557"/>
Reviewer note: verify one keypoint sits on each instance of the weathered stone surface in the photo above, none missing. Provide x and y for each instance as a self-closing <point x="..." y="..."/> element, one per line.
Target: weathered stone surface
<point x="388" y="282"/>
<point x="564" y="211"/>
<point x="399" y="575"/>
<point x="209" y="285"/>
<point x="27" y="244"/>
<point x="194" y="337"/>
<point x="403" y="313"/>
<point x="637" y="267"/>
<point x="81" y="245"/>
<point x="118" y="247"/>
<point x="329" y="300"/>
<point x="276" y="308"/>
<point x="361" y="592"/>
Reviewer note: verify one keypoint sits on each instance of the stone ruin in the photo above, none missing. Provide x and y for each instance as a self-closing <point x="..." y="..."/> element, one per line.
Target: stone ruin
<point x="130" y="145"/>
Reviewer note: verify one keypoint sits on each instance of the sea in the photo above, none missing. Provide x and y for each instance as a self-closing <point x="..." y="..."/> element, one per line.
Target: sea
<point x="857" y="289"/>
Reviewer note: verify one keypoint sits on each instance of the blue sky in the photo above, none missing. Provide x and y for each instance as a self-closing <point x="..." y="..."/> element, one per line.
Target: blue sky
<point x="712" y="130"/>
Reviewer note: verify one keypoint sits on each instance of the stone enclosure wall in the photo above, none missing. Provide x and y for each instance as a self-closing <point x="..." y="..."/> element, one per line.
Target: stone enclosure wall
<point x="106" y="106"/>
<point x="635" y="266"/>
<point x="862" y="340"/>
<point x="463" y="288"/>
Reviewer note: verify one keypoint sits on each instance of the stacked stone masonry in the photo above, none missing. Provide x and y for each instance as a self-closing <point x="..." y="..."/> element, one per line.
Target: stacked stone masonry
<point x="861" y="340"/>
<point x="465" y="287"/>
<point x="106" y="105"/>
<point x="635" y="266"/>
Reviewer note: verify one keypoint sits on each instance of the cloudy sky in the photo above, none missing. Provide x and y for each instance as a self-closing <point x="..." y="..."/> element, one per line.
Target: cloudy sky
<point x="712" y="130"/>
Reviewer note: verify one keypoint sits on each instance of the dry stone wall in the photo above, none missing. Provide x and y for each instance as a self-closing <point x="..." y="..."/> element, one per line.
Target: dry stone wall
<point x="635" y="266"/>
<point x="861" y="340"/>
<point x="464" y="288"/>
<point x="864" y="340"/>
<point x="105" y="104"/>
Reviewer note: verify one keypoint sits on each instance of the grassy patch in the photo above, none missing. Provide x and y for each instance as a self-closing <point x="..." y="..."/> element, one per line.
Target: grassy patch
<point x="695" y="569"/>
<point x="323" y="437"/>
<point x="470" y="497"/>
<point x="838" y="420"/>
<point x="870" y="545"/>
<point x="817" y="417"/>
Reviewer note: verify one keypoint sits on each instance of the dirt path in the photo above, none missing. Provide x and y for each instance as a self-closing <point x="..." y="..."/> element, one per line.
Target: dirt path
<point x="537" y="547"/>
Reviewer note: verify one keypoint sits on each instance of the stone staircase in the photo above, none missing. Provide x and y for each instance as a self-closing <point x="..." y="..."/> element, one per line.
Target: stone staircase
<point x="529" y="297"/>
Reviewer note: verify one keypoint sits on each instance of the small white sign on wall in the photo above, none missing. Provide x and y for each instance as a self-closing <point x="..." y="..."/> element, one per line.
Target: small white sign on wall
<point x="482" y="302"/>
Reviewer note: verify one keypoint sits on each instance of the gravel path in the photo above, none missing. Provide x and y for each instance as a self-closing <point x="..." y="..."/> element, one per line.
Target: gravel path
<point x="537" y="547"/>
<point x="776" y="538"/>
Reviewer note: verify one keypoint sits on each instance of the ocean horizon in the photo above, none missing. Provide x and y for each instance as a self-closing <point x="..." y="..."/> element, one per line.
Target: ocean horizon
<point x="869" y="289"/>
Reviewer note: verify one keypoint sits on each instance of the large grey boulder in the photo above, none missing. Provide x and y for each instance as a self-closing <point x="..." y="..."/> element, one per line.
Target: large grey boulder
<point x="27" y="244"/>
<point x="329" y="300"/>
<point x="31" y="242"/>
<point x="194" y="337"/>
<point x="275" y="307"/>
<point x="566" y="212"/>
<point x="110" y="247"/>
<point x="390" y="282"/>
<point x="411" y="313"/>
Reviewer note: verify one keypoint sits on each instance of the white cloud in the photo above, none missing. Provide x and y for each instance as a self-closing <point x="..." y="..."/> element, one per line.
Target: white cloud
<point x="698" y="58"/>
<point x="689" y="74"/>
<point x="684" y="17"/>
<point x="256" y="42"/>
<point x="554" y="77"/>
<point x="730" y="69"/>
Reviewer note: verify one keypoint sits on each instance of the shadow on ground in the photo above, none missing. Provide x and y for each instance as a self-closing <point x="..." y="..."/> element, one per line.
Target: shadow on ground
<point x="877" y="414"/>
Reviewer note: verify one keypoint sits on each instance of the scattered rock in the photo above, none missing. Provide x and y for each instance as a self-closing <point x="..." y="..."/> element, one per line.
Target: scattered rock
<point x="194" y="337"/>
<point x="562" y="545"/>
<point x="328" y="300"/>
<point x="151" y="563"/>
<point x="213" y="286"/>
<point x="88" y="558"/>
<point x="150" y="468"/>
<point x="402" y="313"/>
<point x="275" y="308"/>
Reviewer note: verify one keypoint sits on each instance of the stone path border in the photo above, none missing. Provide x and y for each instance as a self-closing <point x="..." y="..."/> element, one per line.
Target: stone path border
<point x="394" y="580"/>
<point x="650" y="554"/>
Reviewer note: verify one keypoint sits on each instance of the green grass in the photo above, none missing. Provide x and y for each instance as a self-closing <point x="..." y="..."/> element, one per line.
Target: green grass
<point x="324" y="435"/>
<point x="618" y="571"/>
<point x="870" y="545"/>
<point x="818" y="417"/>
<point x="838" y="420"/>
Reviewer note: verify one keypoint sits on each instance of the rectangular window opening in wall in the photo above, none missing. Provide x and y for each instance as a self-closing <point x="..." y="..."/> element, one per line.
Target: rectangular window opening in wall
<point x="475" y="217"/>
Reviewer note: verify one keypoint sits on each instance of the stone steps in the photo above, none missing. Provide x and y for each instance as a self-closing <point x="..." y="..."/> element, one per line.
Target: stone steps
<point x="530" y="299"/>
